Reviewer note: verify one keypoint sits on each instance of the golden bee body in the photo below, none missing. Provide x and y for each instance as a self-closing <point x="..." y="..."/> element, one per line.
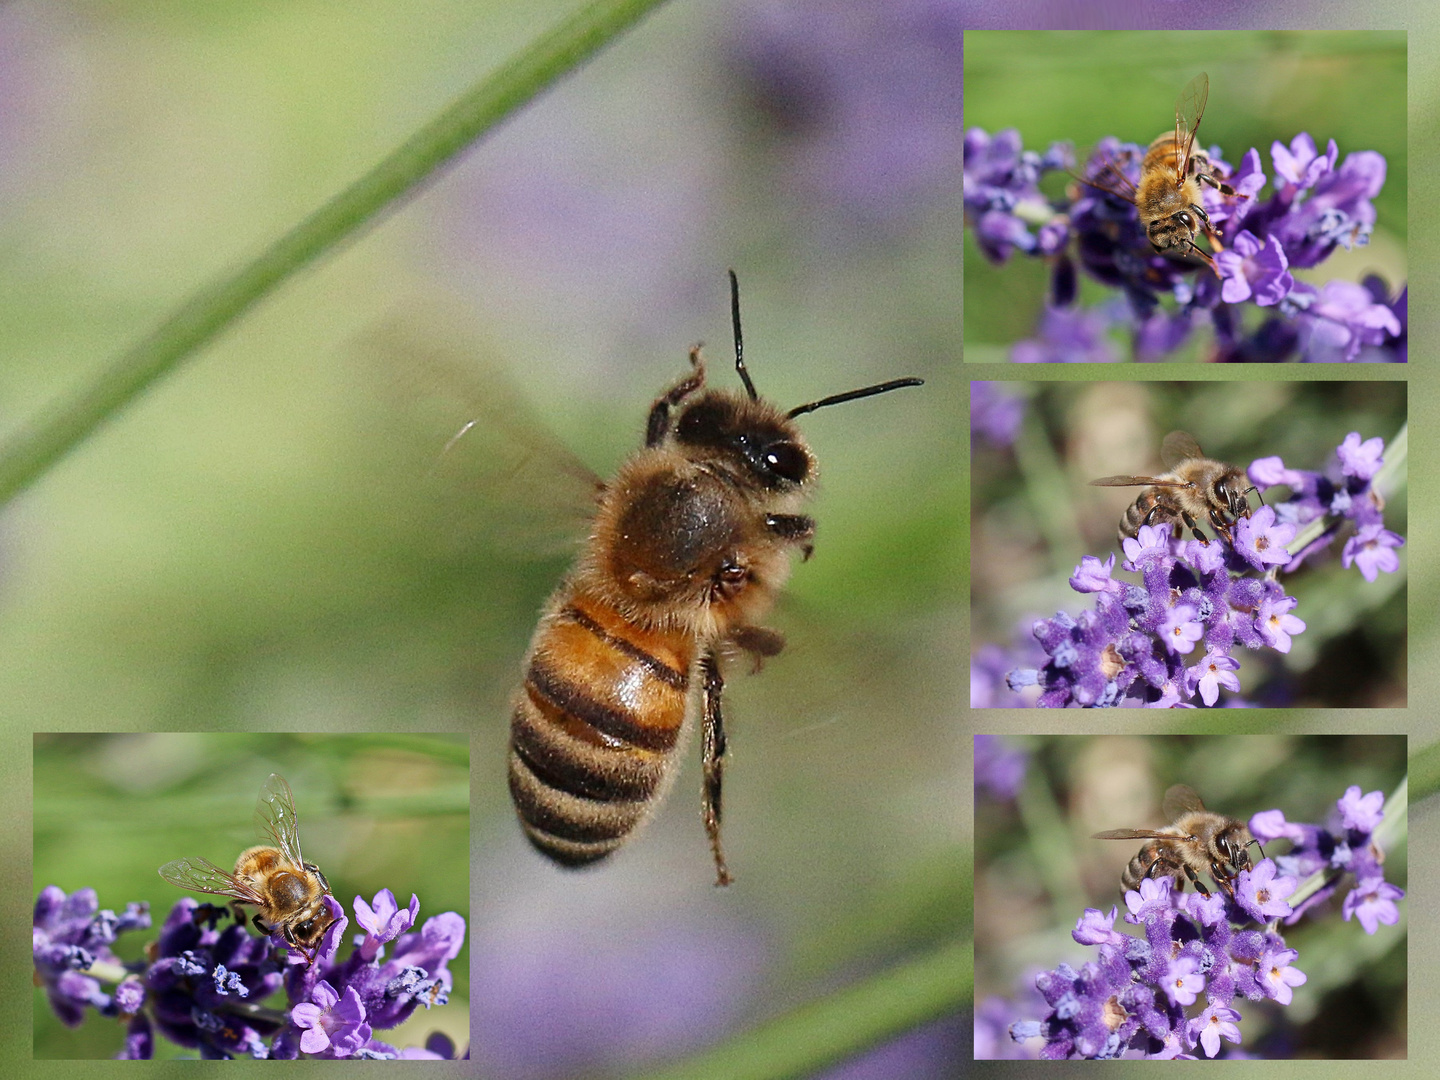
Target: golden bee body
<point x="1195" y="489"/>
<point x="1198" y="841"/>
<point x="1167" y="196"/>
<point x="690" y="545"/>
<point x="288" y="894"/>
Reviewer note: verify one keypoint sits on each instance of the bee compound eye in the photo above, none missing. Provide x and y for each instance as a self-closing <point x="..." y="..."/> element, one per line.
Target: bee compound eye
<point x="787" y="460"/>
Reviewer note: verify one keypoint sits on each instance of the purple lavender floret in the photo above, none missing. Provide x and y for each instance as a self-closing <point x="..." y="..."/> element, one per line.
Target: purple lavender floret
<point x="204" y="988"/>
<point x="996" y="413"/>
<point x="1314" y="208"/>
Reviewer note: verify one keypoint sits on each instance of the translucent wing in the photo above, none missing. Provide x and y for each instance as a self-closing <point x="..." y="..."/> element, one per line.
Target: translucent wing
<point x="1179" y="446"/>
<point x="201" y="875"/>
<point x="1189" y="107"/>
<point x="275" y="814"/>
<point x="1137" y="481"/>
<point x="491" y="474"/>
<point x="1130" y="834"/>
<point x="1109" y="177"/>
<point x="1180" y="800"/>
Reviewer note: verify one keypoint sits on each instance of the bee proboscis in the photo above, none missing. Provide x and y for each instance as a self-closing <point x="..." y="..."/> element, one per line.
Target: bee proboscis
<point x="690" y="543"/>
<point x="287" y="892"/>
<point x="1167" y="197"/>
<point x="1196" y="841"/>
<point x="1195" y="489"/>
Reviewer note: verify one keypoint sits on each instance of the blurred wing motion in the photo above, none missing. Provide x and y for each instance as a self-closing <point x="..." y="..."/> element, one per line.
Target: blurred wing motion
<point x="201" y="875"/>
<point x="1179" y="447"/>
<point x="1189" y="108"/>
<point x="1179" y="801"/>
<point x="1130" y="834"/>
<point x="275" y="815"/>
<point x="495" y="475"/>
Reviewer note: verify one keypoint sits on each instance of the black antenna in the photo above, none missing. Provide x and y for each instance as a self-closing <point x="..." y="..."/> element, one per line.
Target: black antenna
<point x="739" y="341"/>
<point x="851" y="395"/>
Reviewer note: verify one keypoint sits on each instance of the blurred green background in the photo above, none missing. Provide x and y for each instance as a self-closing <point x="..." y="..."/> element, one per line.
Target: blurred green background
<point x="1033" y="516"/>
<point x="1265" y="86"/>
<point x="1036" y="870"/>
<point x="274" y="538"/>
<point x="375" y="811"/>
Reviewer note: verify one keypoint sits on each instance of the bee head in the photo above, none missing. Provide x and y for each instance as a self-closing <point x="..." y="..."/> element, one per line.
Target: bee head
<point x="750" y="434"/>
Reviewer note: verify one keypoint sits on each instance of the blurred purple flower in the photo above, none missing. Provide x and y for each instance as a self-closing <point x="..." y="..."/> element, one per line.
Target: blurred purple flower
<point x="996" y="412"/>
<point x="999" y="767"/>
<point x="1068" y="337"/>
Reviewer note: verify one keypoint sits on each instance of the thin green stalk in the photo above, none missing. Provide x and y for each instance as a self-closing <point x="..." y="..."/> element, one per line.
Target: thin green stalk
<point x="819" y="1034"/>
<point x="209" y="311"/>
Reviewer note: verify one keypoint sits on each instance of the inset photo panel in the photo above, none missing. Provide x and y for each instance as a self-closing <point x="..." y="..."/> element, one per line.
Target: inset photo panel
<point x="251" y="895"/>
<point x="1188" y="544"/>
<point x="1233" y="896"/>
<point x="1178" y="196"/>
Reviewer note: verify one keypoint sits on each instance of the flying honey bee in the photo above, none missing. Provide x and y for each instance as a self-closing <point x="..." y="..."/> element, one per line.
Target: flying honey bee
<point x="689" y="545"/>
<point x="288" y="893"/>
<point x="1196" y="488"/>
<point x="1167" y="197"/>
<point x="1197" y="841"/>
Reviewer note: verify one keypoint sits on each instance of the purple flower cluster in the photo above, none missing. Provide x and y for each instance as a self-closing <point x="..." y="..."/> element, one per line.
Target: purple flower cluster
<point x="1130" y="1001"/>
<point x="1163" y="643"/>
<point x="1345" y="845"/>
<point x="1344" y="494"/>
<point x="70" y="936"/>
<point x="1315" y="207"/>
<point x="204" y="988"/>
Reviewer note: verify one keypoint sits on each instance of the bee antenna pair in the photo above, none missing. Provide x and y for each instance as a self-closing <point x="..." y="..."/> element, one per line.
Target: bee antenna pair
<point x="799" y="410"/>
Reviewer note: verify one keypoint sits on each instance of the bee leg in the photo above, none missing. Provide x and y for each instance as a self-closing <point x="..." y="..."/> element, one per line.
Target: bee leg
<point x="1195" y="880"/>
<point x="659" y="422"/>
<point x="712" y="743"/>
<point x="793" y="529"/>
<point x="265" y="931"/>
<point x="1190" y="524"/>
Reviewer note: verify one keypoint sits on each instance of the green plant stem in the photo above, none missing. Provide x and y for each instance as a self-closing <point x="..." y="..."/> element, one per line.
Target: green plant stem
<point x="824" y="1032"/>
<point x="213" y="308"/>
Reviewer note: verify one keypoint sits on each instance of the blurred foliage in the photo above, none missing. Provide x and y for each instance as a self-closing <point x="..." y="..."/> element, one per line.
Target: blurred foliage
<point x="1037" y="870"/>
<point x="1265" y="86"/>
<point x="376" y="811"/>
<point x="1033" y="516"/>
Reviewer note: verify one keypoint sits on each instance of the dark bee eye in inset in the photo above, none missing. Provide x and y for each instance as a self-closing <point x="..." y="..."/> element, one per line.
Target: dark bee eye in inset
<point x="787" y="460"/>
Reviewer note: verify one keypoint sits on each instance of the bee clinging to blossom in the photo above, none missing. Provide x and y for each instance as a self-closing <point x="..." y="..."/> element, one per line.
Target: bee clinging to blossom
<point x="1197" y="841"/>
<point x="1195" y="489"/>
<point x="690" y="543"/>
<point x="1167" y="196"/>
<point x="287" y="892"/>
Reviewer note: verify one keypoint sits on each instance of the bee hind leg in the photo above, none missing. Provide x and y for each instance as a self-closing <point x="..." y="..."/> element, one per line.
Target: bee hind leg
<point x="712" y="743"/>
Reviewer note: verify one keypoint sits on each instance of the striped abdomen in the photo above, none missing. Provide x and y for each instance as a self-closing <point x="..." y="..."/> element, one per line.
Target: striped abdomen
<point x="595" y="727"/>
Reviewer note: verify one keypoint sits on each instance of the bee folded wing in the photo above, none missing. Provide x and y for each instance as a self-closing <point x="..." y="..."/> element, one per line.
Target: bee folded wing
<point x="204" y="876"/>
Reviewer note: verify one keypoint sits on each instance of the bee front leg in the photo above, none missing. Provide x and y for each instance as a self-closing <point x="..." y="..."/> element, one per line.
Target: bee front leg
<point x="659" y="421"/>
<point x="712" y="750"/>
<point x="265" y="931"/>
<point x="760" y="642"/>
